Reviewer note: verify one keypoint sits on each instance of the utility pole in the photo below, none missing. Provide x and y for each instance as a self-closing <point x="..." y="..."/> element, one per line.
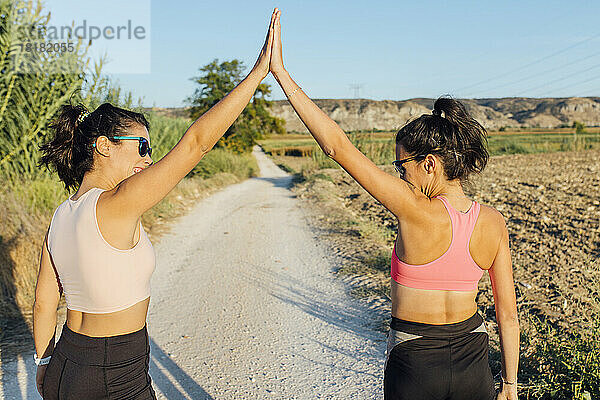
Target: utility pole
<point x="356" y="88"/>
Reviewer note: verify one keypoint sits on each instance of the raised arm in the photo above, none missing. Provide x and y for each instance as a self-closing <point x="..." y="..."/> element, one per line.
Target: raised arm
<point x="140" y="192"/>
<point x="398" y="196"/>
<point x="501" y="276"/>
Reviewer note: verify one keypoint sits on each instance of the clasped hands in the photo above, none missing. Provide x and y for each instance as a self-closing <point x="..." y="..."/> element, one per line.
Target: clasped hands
<point x="270" y="58"/>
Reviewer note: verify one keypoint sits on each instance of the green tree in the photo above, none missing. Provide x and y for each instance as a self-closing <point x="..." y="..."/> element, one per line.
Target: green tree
<point x="255" y="122"/>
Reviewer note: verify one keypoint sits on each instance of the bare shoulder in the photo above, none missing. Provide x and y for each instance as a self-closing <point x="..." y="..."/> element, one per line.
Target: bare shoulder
<point x="492" y="217"/>
<point x="490" y="231"/>
<point x="420" y="209"/>
<point x="494" y="225"/>
<point x="110" y="207"/>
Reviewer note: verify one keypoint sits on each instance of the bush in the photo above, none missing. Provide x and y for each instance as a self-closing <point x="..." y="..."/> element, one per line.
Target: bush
<point x="579" y="127"/>
<point x="30" y="93"/>
<point x="220" y="160"/>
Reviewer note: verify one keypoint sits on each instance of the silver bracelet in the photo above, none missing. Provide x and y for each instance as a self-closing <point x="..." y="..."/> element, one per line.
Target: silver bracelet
<point x="294" y="92"/>
<point x="507" y="382"/>
<point x="41" y="361"/>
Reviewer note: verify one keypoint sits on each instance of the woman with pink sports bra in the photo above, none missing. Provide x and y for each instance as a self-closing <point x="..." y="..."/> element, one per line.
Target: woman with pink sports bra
<point x="437" y="344"/>
<point x="96" y="251"/>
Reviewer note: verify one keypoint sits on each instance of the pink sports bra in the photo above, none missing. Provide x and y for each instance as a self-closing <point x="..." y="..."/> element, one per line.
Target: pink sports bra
<point x="453" y="270"/>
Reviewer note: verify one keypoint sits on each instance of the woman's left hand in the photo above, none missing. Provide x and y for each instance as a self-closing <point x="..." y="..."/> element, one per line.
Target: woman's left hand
<point x="39" y="378"/>
<point x="264" y="58"/>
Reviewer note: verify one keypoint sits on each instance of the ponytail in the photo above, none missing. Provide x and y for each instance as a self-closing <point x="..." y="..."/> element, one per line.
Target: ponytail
<point x="60" y="152"/>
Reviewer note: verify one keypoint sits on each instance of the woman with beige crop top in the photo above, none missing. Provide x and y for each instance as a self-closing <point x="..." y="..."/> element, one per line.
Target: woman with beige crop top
<point x="96" y="250"/>
<point x="437" y="345"/>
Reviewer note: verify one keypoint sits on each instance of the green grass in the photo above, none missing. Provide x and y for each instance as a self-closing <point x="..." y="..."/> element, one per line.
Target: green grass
<point x="381" y="148"/>
<point x="560" y="365"/>
<point x="542" y="143"/>
<point x="165" y="132"/>
<point x="563" y="364"/>
<point x="270" y="144"/>
<point x="219" y="160"/>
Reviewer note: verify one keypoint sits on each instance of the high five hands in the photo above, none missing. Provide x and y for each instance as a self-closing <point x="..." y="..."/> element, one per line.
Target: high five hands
<point x="270" y="58"/>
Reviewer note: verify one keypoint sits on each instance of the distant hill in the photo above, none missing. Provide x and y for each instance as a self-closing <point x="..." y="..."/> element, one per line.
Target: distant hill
<point x="514" y="112"/>
<point x="171" y="112"/>
<point x="389" y="115"/>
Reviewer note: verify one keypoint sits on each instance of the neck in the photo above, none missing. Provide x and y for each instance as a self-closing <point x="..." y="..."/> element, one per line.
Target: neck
<point x="450" y="189"/>
<point x="95" y="180"/>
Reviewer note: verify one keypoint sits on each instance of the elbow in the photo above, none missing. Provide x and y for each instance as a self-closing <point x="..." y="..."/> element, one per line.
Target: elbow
<point x="329" y="151"/>
<point x="508" y="319"/>
<point x="198" y="147"/>
<point x="333" y="148"/>
<point x="203" y="148"/>
<point x="41" y="307"/>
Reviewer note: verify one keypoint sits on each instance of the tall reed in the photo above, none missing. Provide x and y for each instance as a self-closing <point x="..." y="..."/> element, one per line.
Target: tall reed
<point x="33" y="86"/>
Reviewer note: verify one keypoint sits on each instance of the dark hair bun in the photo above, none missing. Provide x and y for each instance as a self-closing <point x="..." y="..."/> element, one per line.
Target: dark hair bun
<point x="451" y="133"/>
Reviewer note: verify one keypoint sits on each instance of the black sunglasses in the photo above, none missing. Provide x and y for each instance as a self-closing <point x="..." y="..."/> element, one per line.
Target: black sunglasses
<point x="144" y="147"/>
<point x="398" y="163"/>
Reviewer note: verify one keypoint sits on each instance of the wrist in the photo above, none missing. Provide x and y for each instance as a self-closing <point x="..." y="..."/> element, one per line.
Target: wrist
<point x="508" y="382"/>
<point x="41" y="361"/>
<point x="279" y="72"/>
<point x="257" y="75"/>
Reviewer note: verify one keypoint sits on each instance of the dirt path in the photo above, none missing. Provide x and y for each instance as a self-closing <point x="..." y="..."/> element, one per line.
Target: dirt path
<point x="245" y="306"/>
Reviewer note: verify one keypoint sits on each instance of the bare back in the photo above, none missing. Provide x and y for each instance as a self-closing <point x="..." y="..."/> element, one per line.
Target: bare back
<point x="131" y="319"/>
<point x="425" y="239"/>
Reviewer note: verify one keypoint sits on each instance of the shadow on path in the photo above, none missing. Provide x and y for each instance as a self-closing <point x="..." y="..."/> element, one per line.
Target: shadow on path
<point x="173" y="382"/>
<point x="355" y="319"/>
<point x="16" y="341"/>
<point x="282" y="182"/>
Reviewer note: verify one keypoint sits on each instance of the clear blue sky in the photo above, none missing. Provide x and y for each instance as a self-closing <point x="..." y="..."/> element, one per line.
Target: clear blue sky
<point x="392" y="49"/>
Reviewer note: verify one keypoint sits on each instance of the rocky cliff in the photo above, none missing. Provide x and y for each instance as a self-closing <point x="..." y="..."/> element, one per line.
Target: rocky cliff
<point x="515" y="112"/>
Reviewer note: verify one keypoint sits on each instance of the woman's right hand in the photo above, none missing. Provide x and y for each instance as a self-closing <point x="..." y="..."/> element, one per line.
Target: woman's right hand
<point x="276" y="53"/>
<point x="508" y="392"/>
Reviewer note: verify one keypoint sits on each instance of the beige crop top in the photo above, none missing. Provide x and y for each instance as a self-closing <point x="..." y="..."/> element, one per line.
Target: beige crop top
<point x="95" y="276"/>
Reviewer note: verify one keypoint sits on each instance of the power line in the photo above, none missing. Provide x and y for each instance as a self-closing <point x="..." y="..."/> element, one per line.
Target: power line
<point x="529" y="64"/>
<point x="536" y="75"/>
<point x="590" y="93"/>
<point x="571" y="85"/>
<point x="559" y="79"/>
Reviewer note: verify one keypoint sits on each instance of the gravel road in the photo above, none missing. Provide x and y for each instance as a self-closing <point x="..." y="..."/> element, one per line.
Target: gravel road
<point x="245" y="306"/>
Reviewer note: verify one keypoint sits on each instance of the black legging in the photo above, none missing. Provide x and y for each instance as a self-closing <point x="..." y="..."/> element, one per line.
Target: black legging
<point x="94" y="368"/>
<point x="444" y="362"/>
